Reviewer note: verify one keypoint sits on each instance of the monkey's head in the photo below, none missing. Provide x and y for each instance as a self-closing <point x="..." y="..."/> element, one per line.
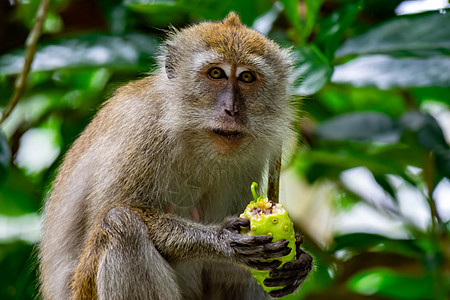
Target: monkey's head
<point x="229" y="86"/>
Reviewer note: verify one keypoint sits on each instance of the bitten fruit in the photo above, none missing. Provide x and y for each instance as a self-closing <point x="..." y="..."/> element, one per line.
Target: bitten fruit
<point x="269" y="218"/>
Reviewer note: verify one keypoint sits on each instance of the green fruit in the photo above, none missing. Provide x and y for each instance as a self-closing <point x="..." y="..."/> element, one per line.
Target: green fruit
<point x="268" y="218"/>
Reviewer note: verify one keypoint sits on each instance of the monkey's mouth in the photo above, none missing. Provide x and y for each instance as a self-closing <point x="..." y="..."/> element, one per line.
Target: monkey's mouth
<point x="225" y="141"/>
<point x="227" y="133"/>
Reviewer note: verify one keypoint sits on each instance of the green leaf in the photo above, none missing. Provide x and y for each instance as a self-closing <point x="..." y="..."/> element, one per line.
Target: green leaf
<point x="423" y="35"/>
<point x="380" y="9"/>
<point x="333" y="27"/>
<point x="311" y="70"/>
<point x="18" y="275"/>
<point x="302" y="27"/>
<point x="438" y="94"/>
<point x="248" y="10"/>
<point x="149" y="2"/>
<point x="335" y="161"/>
<point x="386" y="72"/>
<point x="160" y="13"/>
<point x="312" y="10"/>
<point x="339" y="99"/>
<point x="130" y="51"/>
<point x="360" y="126"/>
<point x="5" y="156"/>
<point x="291" y="10"/>
<point x="361" y="242"/>
<point x="388" y="283"/>
<point x="19" y="195"/>
<point x="168" y="10"/>
<point x="429" y="136"/>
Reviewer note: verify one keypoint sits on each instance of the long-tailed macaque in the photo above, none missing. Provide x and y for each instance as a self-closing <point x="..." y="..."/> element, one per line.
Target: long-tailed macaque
<point x="145" y="203"/>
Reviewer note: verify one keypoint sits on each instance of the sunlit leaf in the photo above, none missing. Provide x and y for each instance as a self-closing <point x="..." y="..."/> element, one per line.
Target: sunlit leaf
<point x="365" y="126"/>
<point x="429" y="136"/>
<point x="344" y="158"/>
<point x="132" y="50"/>
<point x="339" y="99"/>
<point x="425" y="34"/>
<point x="386" y="72"/>
<point x="312" y="70"/>
<point x="392" y="284"/>
<point x="361" y="242"/>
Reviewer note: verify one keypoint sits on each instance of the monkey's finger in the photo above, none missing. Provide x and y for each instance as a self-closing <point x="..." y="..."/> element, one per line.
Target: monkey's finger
<point x="258" y="253"/>
<point x="274" y="282"/>
<point x="235" y="224"/>
<point x="303" y="262"/>
<point x="283" y="292"/>
<point x="298" y="239"/>
<point x="259" y="265"/>
<point x="249" y="241"/>
<point x="278" y="245"/>
<point x="276" y="253"/>
<point x="278" y="274"/>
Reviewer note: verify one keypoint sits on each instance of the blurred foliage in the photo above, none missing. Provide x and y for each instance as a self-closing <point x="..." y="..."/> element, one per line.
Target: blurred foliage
<point x="375" y="89"/>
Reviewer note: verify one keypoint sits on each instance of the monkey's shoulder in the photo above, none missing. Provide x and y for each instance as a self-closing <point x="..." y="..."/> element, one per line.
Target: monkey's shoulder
<point x="143" y="90"/>
<point x="133" y="104"/>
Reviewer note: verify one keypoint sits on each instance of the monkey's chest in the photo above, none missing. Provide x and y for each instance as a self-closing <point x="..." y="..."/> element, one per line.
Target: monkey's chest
<point x="202" y="204"/>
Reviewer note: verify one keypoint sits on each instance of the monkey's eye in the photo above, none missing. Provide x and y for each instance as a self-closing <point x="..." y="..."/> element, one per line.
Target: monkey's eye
<point x="247" y="77"/>
<point x="216" y="73"/>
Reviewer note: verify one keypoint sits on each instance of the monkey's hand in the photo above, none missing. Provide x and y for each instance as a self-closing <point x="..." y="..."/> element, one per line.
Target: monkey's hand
<point x="252" y="251"/>
<point x="292" y="274"/>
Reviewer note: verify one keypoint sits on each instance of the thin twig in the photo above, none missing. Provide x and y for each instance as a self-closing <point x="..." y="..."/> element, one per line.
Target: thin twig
<point x="31" y="46"/>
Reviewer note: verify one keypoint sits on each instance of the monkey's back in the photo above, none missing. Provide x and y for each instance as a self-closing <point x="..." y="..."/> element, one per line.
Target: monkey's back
<point x="101" y="164"/>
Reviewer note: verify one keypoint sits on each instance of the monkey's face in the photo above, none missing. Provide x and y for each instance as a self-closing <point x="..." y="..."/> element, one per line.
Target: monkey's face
<point x="228" y="86"/>
<point x="231" y="84"/>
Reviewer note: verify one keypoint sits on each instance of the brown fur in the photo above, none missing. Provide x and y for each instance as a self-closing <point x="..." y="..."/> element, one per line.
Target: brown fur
<point x="106" y="234"/>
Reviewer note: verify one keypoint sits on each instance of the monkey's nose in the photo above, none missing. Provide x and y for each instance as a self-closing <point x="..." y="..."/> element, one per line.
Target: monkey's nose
<point x="232" y="112"/>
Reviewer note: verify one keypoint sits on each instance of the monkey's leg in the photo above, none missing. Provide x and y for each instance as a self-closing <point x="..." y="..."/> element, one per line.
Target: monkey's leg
<point x="120" y="262"/>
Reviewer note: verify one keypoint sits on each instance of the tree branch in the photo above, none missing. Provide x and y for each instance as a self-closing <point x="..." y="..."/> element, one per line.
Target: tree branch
<point x="31" y="46"/>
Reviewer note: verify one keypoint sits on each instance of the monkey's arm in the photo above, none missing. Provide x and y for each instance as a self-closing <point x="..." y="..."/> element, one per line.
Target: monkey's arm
<point x="142" y="242"/>
<point x="178" y="239"/>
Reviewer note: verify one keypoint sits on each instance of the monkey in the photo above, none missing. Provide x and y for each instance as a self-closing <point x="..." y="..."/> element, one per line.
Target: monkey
<point x="145" y="203"/>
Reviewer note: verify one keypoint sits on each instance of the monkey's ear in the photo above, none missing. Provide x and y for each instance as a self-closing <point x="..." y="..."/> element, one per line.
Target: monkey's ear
<point x="170" y="61"/>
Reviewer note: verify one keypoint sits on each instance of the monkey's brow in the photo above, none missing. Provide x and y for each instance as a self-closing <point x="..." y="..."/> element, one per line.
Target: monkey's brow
<point x="228" y="66"/>
<point x="204" y="59"/>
